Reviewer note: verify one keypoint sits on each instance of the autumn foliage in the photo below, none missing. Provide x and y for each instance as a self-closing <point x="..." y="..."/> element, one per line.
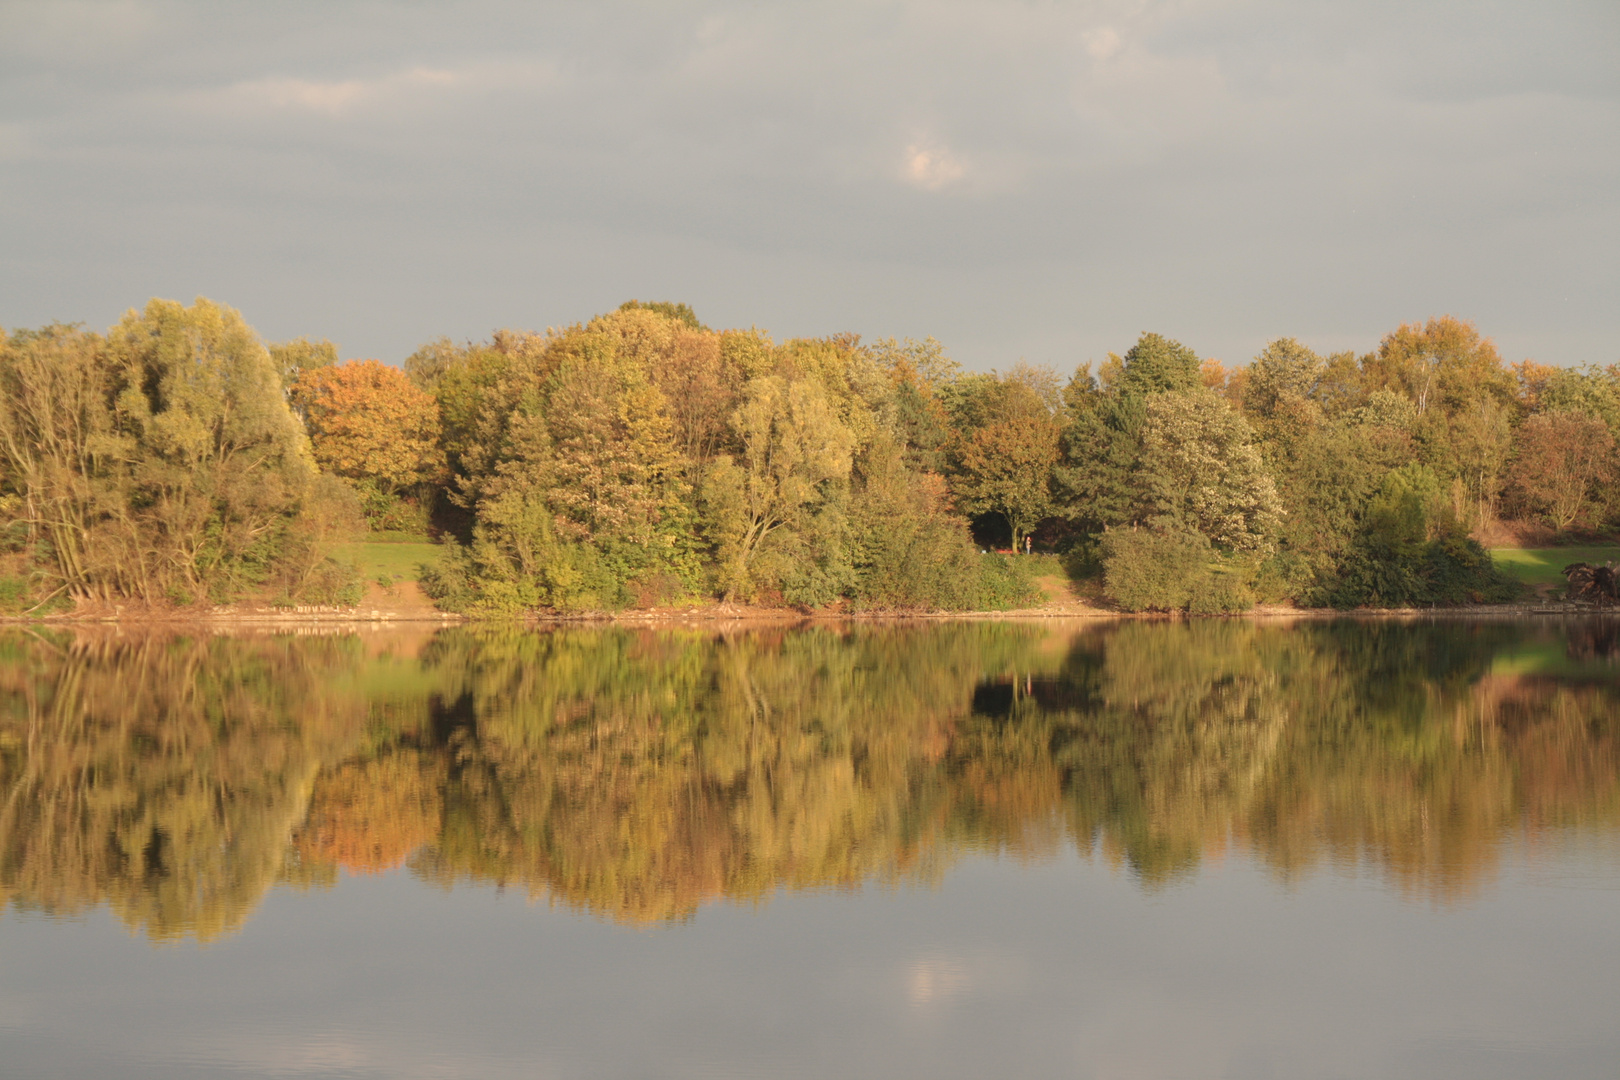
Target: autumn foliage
<point x="1563" y="458"/>
<point x="368" y="421"/>
<point x="641" y="458"/>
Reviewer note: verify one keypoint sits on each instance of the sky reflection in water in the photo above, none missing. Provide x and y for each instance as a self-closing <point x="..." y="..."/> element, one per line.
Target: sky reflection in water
<point x="1142" y="849"/>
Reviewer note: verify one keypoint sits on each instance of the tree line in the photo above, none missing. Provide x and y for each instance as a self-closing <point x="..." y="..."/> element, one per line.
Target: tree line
<point x="642" y="458"/>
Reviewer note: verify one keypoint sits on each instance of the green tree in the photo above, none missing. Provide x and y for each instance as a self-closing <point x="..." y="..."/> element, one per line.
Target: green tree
<point x="911" y="552"/>
<point x="1590" y="390"/>
<point x="572" y="466"/>
<point x="794" y="449"/>
<point x="1101" y="445"/>
<point x="919" y="373"/>
<point x="1155" y="570"/>
<point x="1479" y="438"/>
<point x="1284" y="372"/>
<point x="1199" y="472"/>
<point x="480" y="390"/>
<point x="426" y="364"/>
<point x="1412" y="550"/>
<point x="1006" y="445"/>
<point x="1156" y="365"/>
<point x="1325" y="471"/>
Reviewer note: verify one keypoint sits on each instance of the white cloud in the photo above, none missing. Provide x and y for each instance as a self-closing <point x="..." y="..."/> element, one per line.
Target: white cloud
<point x="343" y="97"/>
<point x="932" y="167"/>
<point x="1102" y="43"/>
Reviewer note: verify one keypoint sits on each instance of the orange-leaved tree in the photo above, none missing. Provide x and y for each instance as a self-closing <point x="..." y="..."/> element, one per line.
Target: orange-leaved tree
<point x="367" y="421"/>
<point x="1563" y="460"/>
<point x="1444" y="362"/>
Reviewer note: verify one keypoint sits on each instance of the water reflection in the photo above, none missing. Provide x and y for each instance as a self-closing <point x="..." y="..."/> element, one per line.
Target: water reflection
<point x="637" y="774"/>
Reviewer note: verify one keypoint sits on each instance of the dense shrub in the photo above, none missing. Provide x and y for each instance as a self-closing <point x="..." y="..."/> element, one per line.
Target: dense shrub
<point x="389" y="512"/>
<point x="932" y="566"/>
<point x="1413" y="552"/>
<point x="448" y="582"/>
<point x="1145" y="570"/>
<point x="1224" y="591"/>
<point x="1451" y="569"/>
<point x="1004" y="583"/>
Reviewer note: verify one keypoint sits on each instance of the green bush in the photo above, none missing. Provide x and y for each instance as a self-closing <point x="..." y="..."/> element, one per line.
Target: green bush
<point x="1412" y="552"/>
<point x="1004" y="583"/>
<point x="389" y="512"/>
<point x="1082" y="560"/>
<point x="933" y="566"/>
<point x="567" y="577"/>
<point x="1449" y="570"/>
<point x="1144" y="570"/>
<point x="450" y="581"/>
<point x="1225" y="591"/>
<point x="1284" y="575"/>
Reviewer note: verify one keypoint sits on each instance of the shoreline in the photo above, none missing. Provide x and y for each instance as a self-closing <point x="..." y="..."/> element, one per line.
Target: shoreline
<point x="730" y="615"/>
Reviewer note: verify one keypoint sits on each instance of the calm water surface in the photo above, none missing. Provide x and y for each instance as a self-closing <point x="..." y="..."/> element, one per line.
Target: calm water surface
<point x="1347" y="849"/>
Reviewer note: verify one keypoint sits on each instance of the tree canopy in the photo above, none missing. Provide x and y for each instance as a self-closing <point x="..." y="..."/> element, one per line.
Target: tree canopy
<point x="644" y="458"/>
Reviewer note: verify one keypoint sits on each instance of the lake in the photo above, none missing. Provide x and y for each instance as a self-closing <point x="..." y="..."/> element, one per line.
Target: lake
<point x="1220" y="848"/>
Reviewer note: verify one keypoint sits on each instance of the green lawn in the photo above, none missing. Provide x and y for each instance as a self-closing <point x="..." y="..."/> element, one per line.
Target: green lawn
<point x="1541" y="566"/>
<point x="398" y="560"/>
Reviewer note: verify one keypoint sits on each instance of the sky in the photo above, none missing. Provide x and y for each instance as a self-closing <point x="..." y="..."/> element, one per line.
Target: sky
<point x="1021" y="180"/>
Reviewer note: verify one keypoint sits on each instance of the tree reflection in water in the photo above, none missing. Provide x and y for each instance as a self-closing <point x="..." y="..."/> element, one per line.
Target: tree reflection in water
<point x="637" y="774"/>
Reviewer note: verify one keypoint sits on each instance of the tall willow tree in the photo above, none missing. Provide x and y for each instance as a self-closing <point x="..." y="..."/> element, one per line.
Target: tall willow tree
<point x="159" y="463"/>
<point x="56" y="447"/>
<point x="213" y="461"/>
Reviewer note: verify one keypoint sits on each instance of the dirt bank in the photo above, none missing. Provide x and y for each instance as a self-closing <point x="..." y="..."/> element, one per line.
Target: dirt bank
<point x="404" y="604"/>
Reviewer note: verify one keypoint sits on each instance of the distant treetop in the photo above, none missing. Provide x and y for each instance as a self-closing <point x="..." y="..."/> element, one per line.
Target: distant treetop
<point x="678" y="312"/>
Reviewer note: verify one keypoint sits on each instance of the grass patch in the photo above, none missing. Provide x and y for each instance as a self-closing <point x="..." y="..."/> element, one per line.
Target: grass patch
<point x="1542" y="566"/>
<point x="392" y="558"/>
<point x="1045" y="564"/>
<point x="395" y="536"/>
<point x="15" y="595"/>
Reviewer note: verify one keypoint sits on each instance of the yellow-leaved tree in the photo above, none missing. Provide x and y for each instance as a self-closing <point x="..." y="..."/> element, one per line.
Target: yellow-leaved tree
<point x="369" y="423"/>
<point x="793" y="449"/>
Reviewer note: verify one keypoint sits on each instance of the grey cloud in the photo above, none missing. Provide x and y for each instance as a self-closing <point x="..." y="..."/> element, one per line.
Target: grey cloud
<point x="1018" y="179"/>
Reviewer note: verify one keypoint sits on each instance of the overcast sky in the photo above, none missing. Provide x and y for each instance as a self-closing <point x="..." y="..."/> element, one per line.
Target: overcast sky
<point x="1021" y="180"/>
